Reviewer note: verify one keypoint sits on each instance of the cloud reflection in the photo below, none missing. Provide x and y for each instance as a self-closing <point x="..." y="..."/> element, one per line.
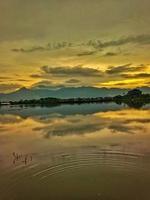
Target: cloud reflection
<point x="126" y="121"/>
<point x="123" y="121"/>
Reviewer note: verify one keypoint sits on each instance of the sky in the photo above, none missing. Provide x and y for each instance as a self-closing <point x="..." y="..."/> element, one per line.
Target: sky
<point x="73" y="43"/>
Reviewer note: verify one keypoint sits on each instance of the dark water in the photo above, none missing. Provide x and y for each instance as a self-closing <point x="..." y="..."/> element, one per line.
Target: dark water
<point x="78" y="152"/>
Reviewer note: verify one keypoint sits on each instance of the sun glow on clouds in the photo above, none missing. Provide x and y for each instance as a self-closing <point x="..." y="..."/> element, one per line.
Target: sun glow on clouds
<point x="130" y="83"/>
<point x="110" y="37"/>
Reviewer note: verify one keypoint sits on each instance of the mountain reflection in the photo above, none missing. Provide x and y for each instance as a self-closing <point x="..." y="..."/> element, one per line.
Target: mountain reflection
<point x="124" y="120"/>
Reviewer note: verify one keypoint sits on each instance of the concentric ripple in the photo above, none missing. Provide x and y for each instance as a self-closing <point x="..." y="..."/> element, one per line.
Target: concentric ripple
<point x="64" y="167"/>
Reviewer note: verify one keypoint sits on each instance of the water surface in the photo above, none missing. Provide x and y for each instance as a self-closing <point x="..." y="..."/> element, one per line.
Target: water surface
<point x="73" y="152"/>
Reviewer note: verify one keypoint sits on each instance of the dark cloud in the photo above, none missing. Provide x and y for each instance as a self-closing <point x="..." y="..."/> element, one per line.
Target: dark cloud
<point x="71" y="71"/>
<point x="9" y="87"/>
<point x="108" y="54"/>
<point x="139" y="39"/>
<point x="118" y="69"/>
<point x="30" y="50"/>
<point x="86" y="53"/>
<point x="48" y="47"/>
<point x="35" y="76"/>
<point x="98" y="45"/>
<point x="141" y="75"/>
<point x="67" y="76"/>
<point x="22" y="80"/>
<point x="44" y="84"/>
<point x="79" y="75"/>
<point x="73" y="81"/>
<point x="4" y="78"/>
<point x="114" y="70"/>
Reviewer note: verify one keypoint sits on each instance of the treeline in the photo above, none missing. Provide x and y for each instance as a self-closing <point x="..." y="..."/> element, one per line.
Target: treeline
<point x="134" y="98"/>
<point x="131" y="100"/>
<point x="50" y="100"/>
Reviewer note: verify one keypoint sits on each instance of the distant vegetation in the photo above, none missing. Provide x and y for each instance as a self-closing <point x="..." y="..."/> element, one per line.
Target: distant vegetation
<point x="134" y="98"/>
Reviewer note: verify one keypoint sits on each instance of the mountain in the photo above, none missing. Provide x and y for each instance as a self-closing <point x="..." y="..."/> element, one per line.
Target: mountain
<point x="66" y="92"/>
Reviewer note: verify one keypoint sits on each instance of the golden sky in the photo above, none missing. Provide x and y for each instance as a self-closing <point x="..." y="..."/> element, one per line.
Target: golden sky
<point x="60" y="43"/>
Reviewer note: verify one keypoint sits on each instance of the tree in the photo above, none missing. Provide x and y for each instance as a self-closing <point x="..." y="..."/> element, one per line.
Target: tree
<point x="134" y="93"/>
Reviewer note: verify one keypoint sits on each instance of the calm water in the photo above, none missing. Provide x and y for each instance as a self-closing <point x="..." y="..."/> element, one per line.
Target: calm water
<point x="78" y="152"/>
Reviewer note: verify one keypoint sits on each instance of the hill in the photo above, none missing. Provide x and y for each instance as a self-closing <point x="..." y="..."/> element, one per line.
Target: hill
<point x="70" y="92"/>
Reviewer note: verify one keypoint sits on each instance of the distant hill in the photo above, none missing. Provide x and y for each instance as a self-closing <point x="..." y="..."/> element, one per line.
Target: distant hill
<point x="68" y="92"/>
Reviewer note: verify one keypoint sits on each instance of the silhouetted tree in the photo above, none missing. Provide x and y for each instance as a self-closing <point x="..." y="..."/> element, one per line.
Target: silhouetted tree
<point x="134" y="93"/>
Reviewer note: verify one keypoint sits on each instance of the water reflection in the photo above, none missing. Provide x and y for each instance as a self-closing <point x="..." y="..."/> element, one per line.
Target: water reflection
<point x="69" y="148"/>
<point x="118" y="121"/>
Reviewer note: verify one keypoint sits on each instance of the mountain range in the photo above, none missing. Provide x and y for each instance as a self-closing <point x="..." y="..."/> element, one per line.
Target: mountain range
<point x="65" y="92"/>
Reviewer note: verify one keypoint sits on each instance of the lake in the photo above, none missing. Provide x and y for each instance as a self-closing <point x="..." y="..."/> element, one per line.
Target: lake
<point x="75" y="152"/>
